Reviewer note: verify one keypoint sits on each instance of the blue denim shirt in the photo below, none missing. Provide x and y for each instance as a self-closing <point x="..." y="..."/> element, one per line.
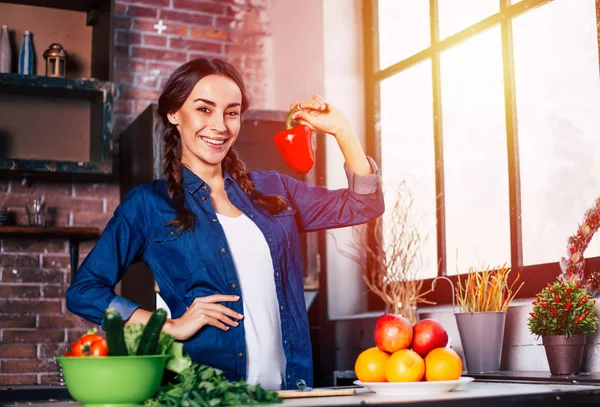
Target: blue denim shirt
<point x="197" y="263"/>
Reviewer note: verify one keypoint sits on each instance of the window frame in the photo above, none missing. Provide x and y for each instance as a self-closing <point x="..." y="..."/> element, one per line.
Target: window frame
<point x="536" y="276"/>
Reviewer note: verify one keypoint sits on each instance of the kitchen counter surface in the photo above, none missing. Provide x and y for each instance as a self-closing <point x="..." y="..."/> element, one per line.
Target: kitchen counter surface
<point x="478" y="393"/>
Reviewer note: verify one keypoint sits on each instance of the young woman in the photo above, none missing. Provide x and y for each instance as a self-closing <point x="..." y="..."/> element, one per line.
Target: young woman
<point x="223" y="244"/>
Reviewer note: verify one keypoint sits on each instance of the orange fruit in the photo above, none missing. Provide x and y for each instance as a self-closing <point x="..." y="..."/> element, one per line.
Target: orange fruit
<point x="370" y="365"/>
<point x="442" y="364"/>
<point x="405" y="366"/>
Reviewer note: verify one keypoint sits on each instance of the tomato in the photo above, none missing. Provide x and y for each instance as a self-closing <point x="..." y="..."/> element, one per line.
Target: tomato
<point x="77" y="349"/>
<point x="88" y="339"/>
<point x="99" y="348"/>
<point x="88" y="345"/>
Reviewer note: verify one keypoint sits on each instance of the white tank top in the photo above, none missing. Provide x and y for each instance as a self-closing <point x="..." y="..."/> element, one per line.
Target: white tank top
<point x="265" y="359"/>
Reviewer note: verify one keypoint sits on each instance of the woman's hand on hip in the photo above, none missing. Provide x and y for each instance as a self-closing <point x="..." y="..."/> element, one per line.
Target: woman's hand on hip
<point x="204" y="311"/>
<point x="319" y="115"/>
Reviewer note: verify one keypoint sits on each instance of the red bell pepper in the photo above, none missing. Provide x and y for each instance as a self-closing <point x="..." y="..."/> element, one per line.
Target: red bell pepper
<point x="295" y="146"/>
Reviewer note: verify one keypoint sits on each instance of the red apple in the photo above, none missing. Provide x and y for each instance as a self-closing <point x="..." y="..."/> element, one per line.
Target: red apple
<point x="428" y="334"/>
<point x="393" y="333"/>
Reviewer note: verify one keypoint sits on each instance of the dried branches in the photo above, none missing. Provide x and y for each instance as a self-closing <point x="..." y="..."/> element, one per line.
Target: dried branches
<point x="389" y="254"/>
<point x="486" y="290"/>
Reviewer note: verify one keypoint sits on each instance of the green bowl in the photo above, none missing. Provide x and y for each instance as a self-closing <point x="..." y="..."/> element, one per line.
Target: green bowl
<point x="112" y="380"/>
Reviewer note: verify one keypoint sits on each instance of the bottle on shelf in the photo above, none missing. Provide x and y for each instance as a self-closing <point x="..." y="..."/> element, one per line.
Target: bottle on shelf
<point x="5" y="51"/>
<point x="26" y="55"/>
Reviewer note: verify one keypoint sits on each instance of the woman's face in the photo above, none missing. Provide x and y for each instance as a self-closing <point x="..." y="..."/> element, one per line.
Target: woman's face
<point x="209" y="120"/>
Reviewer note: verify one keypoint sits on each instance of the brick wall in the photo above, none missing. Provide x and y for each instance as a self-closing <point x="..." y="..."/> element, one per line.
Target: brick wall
<point x="34" y="274"/>
<point x="234" y="30"/>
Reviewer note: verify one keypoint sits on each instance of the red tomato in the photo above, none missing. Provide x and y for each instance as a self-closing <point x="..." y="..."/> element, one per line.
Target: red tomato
<point x="77" y="349"/>
<point x="99" y="348"/>
<point x="88" y="345"/>
<point x="88" y="339"/>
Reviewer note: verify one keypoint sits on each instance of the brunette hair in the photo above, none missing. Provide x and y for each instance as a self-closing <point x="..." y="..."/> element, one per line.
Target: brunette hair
<point x="175" y="92"/>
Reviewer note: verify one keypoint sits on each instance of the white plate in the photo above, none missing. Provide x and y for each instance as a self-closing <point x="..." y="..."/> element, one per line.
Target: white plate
<point x="413" y="388"/>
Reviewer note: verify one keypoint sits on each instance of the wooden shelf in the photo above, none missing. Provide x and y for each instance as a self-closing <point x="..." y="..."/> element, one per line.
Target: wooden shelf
<point x="64" y="232"/>
<point x="73" y="234"/>
<point x="76" y="5"/>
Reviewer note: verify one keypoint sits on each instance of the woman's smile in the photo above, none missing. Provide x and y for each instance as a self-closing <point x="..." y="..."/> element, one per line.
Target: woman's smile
<point x="214" y="142"/>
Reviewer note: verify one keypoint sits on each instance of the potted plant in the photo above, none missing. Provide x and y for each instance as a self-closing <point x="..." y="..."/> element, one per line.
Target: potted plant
<point x="483" y="298"/>
<point x="563" y="315"/>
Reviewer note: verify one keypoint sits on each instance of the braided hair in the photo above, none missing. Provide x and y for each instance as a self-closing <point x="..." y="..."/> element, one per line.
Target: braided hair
<point x="175" y="92"/>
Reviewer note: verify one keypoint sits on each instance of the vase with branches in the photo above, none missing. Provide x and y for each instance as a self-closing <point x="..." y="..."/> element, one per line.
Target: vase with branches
<point x="388" y="252"/>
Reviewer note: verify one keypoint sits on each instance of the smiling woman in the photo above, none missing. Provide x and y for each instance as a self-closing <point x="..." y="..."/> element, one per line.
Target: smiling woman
<point x="223" y="244"/>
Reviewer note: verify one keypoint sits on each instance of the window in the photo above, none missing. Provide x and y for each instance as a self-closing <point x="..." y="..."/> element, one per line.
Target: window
<point x="488" y="111"/>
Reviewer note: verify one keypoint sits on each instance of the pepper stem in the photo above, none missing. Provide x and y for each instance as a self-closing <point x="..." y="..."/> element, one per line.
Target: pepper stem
<point x="288" y="122"/>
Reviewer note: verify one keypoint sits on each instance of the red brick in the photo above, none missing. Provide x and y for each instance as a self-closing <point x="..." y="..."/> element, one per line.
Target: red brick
<point x="54" y="378"/>
<point x="111" y="204"/>
<point x="11" y="380"/>
<point x="91" y="219"/>
<point x="56" y="262"/>
<point x="139" y="94"/>
<point x="201" y="6"/>
<point x="123" y="23"/>
<point x="33" y="335"/>
<point x="165" y="69"/>
<point x="157" y="54"/>
<point x="14" y="321"/>
<point x="122" y="121"/>
<point x="185" y="17"/>
<point x="128" y="38"/>
<point x="74" y="334"/>
<point x="125" y="64"/>
<point x="21" y="260"/>
<point x="155" y="3"/>
<point x="53" y="291"/>
<point x="206" y="33"/>
<point x="34" y="246"/>
<point x="154" y="40"/>
<point x="19" y="291"/>
<point x="192" y="45"/>
<point x="14" y="350"/>
<point x="146" y="81"/>
<point x="21" y="365"/>
<point x="120" y="9"/>
<point x="122" y="51"/>
<point x="33" y="276"/>
<point x="123" y="78"/>
<point x="96" y="190"/>
<point x="226" y="23"/>
<point x="147" y="12"/>
<point x="46" y="189"/>
<point x="140" y="106"/>
<point x="123" y="106"/>
<point x="30" y="307"/>
<point x="66" y="321"/>
<point x="48" y="350"/>
<point x="172" y="28"/>
<point x="77" y="204"/>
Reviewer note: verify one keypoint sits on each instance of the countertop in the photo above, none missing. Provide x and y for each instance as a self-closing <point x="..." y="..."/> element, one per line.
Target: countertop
<point x="478" y="393"/>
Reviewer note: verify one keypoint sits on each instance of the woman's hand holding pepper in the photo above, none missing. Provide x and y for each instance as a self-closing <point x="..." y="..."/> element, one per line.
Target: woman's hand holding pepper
<point x="204" y="311"/>
<point x="321" y="116"/>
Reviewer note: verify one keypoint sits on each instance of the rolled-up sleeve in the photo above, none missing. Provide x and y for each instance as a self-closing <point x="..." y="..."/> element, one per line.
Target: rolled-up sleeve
<point x="92" y="290"/>
<point x="319" y="208"/>
<point x="364" y="184"/>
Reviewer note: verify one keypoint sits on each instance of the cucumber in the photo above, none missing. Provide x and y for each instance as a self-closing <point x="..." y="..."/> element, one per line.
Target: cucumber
<point x="115" y="338"/>
<point x="149" y="341"/>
